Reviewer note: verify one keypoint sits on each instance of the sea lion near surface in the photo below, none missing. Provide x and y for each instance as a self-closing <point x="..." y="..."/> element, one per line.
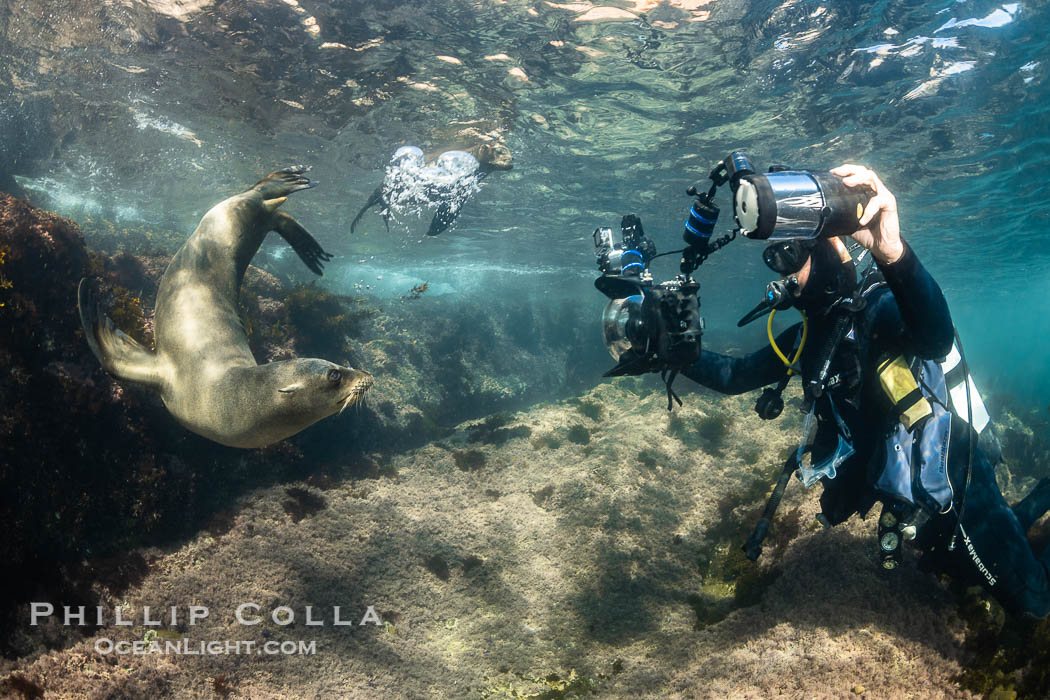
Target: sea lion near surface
<point x="202" y="367"/>
<point x="447" y="181"/>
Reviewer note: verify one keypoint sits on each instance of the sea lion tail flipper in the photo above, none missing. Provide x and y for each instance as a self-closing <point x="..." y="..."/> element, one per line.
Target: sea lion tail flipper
<point x="120" y="355"/>
<point x="282" y="183"/>
<point x="376" y="198"/>
<point x="305" y="245"/>
<point x="446" y="214"/>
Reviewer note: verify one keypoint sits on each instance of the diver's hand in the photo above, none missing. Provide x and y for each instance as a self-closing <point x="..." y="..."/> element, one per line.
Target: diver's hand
<point x="881" y="232"/>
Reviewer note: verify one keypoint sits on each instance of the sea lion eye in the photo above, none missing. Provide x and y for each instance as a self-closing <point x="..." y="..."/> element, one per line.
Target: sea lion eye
<point x="334" y="375"/>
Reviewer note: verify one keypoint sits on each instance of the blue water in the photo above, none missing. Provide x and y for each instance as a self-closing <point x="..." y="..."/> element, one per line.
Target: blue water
<point x="608" y="108"/>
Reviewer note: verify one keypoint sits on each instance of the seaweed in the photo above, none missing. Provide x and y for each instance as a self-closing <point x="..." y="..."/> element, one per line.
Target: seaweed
<point x="437" y="565"/>
<point x="321" y="321"/>
<point x="416" y="292"/>
<point x="709" y="432"/>
<point x="551" y="686"/>
<point x="589" y="408"/>
<point x="126" y="312"/>
<point x="750" y="454"/>
<point x="549" y="441"/>
<point x="105" y="235"/>
<point x="302" y="502"/>
<point x="471" y="562"/>
<point x="368" y="466"/>
<point x="469" y="460"/>
<point x="541" y="497"/>
<point x="491" y="431"/>
<point x="221" y="685"/>
<point x="1010" y="656"/>
<point x="729" y="579"/>
<point x="26" y="688"/>
<point x="221" y="522"/>
<point x="650" y="458"/>
<point x="579" y="434"/>
<point x="714" y="428"/>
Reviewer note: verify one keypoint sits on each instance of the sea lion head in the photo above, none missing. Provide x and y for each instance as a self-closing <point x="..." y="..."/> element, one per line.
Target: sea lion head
<point x="307" y="390"/>
<point x="494" y="156"/>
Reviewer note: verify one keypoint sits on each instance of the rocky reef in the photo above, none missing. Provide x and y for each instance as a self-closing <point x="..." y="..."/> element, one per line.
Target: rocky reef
<point x="92" y="467"/>
<point x="88" y="466"/>
<point x="581" y="548"/>
<point x="513" y="544"/>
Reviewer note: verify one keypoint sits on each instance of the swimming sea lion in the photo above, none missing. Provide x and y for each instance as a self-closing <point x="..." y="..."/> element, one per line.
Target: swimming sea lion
<point x="448" y="186"/>
<point x="203" y="368"/>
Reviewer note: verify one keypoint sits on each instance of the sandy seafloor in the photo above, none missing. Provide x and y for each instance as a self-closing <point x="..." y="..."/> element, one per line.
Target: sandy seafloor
<point x="593" y="554"/>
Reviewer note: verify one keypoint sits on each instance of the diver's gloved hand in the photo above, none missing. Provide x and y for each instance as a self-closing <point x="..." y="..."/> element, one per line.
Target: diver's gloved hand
<point x="881" y="232"/>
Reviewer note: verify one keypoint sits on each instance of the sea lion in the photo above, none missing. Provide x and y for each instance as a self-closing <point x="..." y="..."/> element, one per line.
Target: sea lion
<point x="203" y="368"/>
<point x="448" y="181"/>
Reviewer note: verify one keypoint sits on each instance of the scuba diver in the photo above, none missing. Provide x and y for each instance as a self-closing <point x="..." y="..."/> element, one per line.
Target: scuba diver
<point x="878" y="393"/>
<point x="449" y="181"/>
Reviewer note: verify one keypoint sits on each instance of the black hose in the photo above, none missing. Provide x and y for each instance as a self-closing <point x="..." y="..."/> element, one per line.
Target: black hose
<point x="753" y="547"/>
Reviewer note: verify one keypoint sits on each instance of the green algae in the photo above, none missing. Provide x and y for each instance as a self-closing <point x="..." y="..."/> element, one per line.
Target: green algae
<point x="551" y="686"/>
<point x="729" y="580"/>
<point x="493" y="430"/>
<point x="590" y="408"/>
<point x="1010" y="656"/>
<point x="579" y="435"/>
<point x="320" y="321"/>
<point x="469" y="460"/>
<point x="548" y="441"/>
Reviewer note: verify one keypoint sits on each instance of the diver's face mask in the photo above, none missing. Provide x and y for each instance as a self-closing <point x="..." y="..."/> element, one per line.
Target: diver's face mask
<point x="827" y="280"/>
<point x="786" y="257"/>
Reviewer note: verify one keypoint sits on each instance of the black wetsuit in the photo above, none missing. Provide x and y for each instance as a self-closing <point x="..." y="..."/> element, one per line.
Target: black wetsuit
<point x="908" y="315"/>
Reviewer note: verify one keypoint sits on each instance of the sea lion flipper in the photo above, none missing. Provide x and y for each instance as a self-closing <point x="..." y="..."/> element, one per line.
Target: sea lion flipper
<point x="120" y="355"/>
<point x="376" y="198"/>
<point x="305" y="245"/>
<point x="446" y="214"/>
<point x="282" y="183"/>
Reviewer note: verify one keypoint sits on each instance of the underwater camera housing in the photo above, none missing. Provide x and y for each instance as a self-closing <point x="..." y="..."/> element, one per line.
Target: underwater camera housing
<point x="787" y="204"/>
<point x="650" y="327"/>
<point x="647" y="327"/>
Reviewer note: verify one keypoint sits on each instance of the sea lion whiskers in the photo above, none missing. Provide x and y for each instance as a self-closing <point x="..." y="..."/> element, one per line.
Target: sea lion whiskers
<point x="350" y="399"/>
<point x="357" y="392"/>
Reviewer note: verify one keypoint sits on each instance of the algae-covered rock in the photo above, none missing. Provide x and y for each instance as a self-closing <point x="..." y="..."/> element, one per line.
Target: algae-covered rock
<point x="89" y="466"/>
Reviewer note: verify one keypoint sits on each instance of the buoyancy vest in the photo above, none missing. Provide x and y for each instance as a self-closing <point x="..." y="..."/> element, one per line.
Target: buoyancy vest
<point x="914" y="468"/>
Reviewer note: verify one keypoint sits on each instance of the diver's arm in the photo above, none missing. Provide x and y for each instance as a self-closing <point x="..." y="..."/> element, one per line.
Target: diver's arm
<point x="922" y="316"/>
<point x="736" y="375"/>
<point x="927" y="325"/>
